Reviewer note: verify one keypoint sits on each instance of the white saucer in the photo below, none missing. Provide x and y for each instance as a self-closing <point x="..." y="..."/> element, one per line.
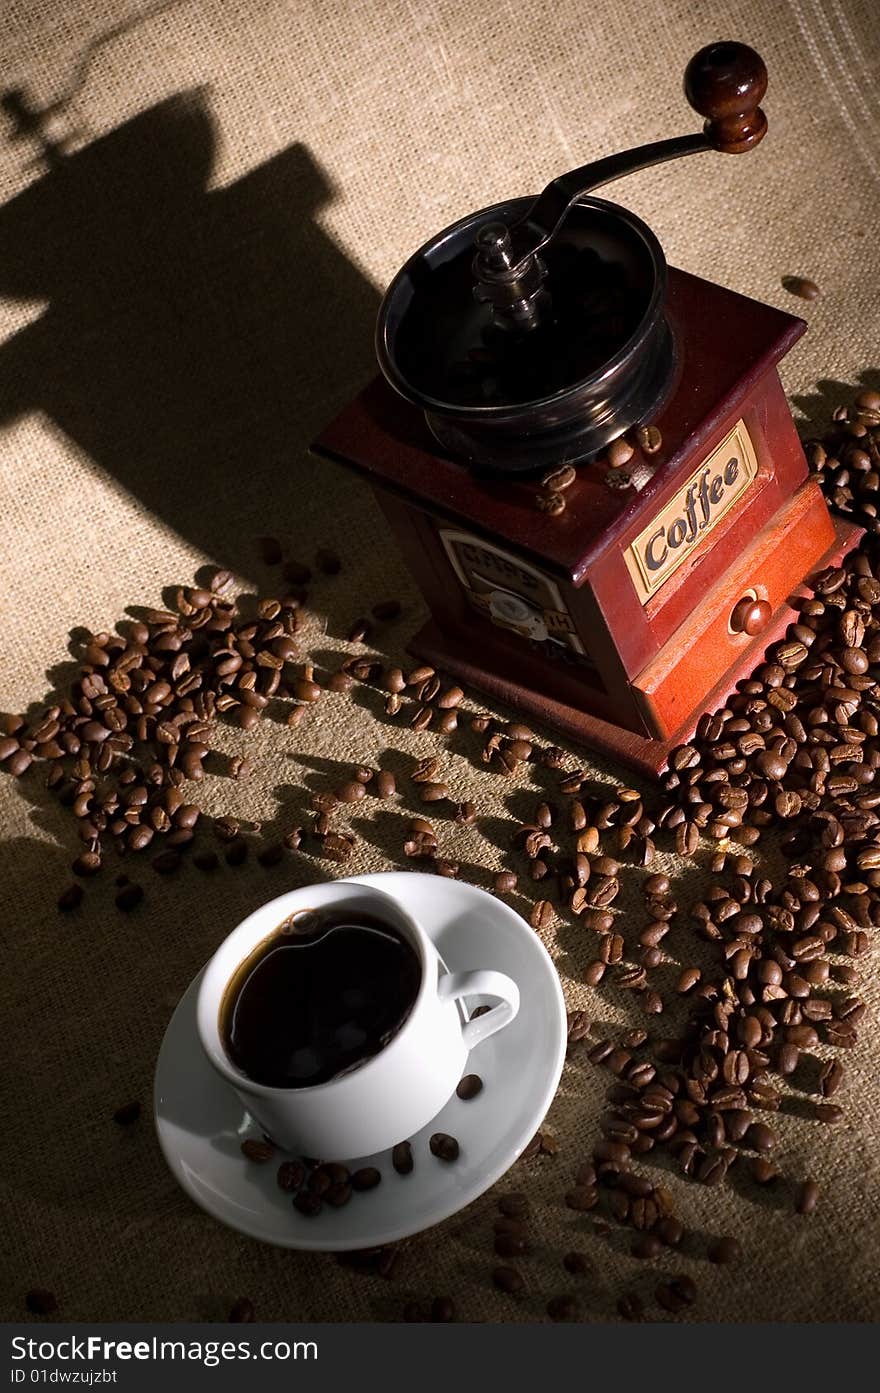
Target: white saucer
<point x="201" y="1123"/>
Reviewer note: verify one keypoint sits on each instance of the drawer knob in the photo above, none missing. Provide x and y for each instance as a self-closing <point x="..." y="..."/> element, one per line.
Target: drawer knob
<point x="750" y="616"/>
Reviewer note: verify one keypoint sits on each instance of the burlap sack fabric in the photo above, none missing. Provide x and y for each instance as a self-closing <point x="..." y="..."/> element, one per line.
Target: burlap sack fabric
<point x="183" y="305"/>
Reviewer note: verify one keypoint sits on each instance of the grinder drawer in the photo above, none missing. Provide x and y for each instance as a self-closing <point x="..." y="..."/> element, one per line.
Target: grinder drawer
<point x="702" y="649"/>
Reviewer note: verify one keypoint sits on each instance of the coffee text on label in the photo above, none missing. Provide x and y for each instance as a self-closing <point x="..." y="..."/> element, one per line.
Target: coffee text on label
<point x="689" y="516"/>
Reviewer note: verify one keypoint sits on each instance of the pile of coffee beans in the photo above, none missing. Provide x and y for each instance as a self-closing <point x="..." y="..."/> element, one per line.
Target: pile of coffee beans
<point x="136" y="724"/>
<point x="847" y="461"/>
<point x="765" y="962"/>
<point x="130" y="740"/>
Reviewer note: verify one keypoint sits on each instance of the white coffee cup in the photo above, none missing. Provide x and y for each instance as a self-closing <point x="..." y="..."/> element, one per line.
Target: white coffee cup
<point x="394" y="1093"/>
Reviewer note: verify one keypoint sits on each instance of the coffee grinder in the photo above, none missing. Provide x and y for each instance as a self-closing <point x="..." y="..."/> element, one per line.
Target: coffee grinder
<point x="587" y="457"/>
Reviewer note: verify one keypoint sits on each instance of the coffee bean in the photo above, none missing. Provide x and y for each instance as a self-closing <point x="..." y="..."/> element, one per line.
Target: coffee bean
<point x="759" y="1137"/>
<point x="318" y="1181"/>
<point x="443" y="1309"/>
<point x="578" y="1026"/>
<point x="291" y="1175"/>
<point x="443" y="1146"/>
<point x="127" y="1114"/>
<point x="450" y="698"/>
<point x="509" y="1280"/>
<point x="270" y="550"/>
<point x="367" y="1178"/>
<point x="726" y="1249"/>
<point x="829" y="1113"/>
<point x="338" y="1194"/>
<point x="8" y="746"/>
<point x="166" y="862"/>
<point x="646" y="1246"/>
<point x="619" y="453"/>
<point x="70" y="898"/>
<point x="800" y="286"/>
<point x="807" y="1197"/>
<point x="129" y="898"/>
<point x="804" y="1036"/>
<point x="611" y="949"/>
<point x="630" y="1307"/>
<point x="308" y="1203"/>
<point x="787" y="1059"/>
<point x="542" y="915"/>
<point x="335" y="846"/>
<point x="434" y="793"/>
<point x="552" y="503"/>
<point x="89" y="863"/>
<point x="683" y="1291"/>
<point x="242" y="1312"/>
<point x="515" y="1205"/>
<point x="511" y="1245"/>
<point x="385" y="784"/>
<point x="236" y="852"/>
<point x="670" y="1231"/>
<point x="259" y="1151"/>
<point x="582" y="1198"/>
<point x="558" y="480"/>
<point x="327" y="561"/>
<point x="41" y="1302"/>
<point x="386" y="610"/>
<point x="562" y="1307"/>
<point x="688" y="980"/>
<point x="351" y="792"/>
<point x="503" y="1224"/>
<point x="469" y="1087"/>
<point x="830" y="1077"/>
<point x="402" y="1158"/>
<point x="649" y="439"/>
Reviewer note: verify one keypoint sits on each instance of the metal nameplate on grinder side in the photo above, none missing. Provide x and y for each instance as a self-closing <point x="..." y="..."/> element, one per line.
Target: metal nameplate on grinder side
<point x="511" y="594"/>
<point x="694" y="510"/>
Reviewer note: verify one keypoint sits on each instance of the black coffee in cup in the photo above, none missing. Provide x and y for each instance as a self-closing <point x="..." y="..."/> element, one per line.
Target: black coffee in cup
<point x="323" y="994"/>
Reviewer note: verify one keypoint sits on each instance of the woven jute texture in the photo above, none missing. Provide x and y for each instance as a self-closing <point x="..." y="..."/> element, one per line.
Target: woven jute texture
<point x="186" y="297"/>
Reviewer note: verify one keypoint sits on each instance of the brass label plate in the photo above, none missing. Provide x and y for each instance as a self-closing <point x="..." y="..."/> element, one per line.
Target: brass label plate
<point x="690" y="515"/>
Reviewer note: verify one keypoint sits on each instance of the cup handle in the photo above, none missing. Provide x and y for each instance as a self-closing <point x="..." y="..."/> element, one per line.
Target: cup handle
<point x="483" y="982"/>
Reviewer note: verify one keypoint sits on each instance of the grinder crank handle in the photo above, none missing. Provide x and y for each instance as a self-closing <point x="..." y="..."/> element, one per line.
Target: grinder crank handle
<point x="724" y="82"/>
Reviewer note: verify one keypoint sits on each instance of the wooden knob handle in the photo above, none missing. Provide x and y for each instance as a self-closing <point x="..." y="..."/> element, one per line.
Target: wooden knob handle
<point x="725" y="83"/>
<point x="750" y="616"/>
